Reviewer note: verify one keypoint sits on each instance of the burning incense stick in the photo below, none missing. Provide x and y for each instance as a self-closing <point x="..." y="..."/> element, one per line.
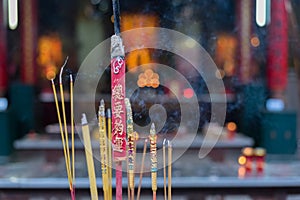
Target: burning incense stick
<point x="72" y="136"/>
<point x="64" y="132"/>
<point x="89" y="157"/>
<point x="117" y="100"/>
<point x="169" y="170"/>
<point x="153" y="154"/>
<point x="103" y="149"/>
<point x="131" y="147"/>
<point x="164" y="168"/>
<point x="65" y="126"/>
<point x="109" y="153"/>
<point x="64" y="111"/>
<point x="142" y="169"/>
<point x="62" y="136"/>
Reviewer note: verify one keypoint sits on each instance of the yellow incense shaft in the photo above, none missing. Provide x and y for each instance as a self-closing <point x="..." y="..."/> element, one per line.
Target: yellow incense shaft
<point x="72" y="127"/>
<point x="153" y="154"/>
<point x="89" y="158"/>
<point x="103" y="148"/>
<point x="109" y="153"/>
<point x="131" y="144"/>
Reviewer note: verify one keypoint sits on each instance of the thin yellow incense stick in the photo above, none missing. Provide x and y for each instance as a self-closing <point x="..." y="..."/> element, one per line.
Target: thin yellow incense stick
<point x="62" y="134"/>
<point x="72" y="127"/>
<point x="103" y="148"/>
<point x="109" y="153"/>
<point x="169" y="170"/>
<point x="142" y="169"/>
<point x="64" y="114"/>
<point x="164" y="168"/>
<point x="89" y="157"/>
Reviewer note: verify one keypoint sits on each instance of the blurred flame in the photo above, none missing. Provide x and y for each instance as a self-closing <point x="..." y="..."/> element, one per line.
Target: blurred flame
<point x="50" y="72"/>
<point x="247" y="151"/>
<point x="255" y="41"/>
<point x="225" y="53"/>
<point x="49" y="54"/>
<point x="242" y="160"/>
<point x="231" y="126"/>
<point x="139" y="56"/>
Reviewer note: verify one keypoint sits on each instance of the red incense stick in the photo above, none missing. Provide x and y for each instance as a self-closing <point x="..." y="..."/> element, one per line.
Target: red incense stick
<point x="117" y="100"/>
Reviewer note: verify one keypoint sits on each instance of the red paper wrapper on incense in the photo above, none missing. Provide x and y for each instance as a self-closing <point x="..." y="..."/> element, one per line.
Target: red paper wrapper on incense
<point x="117" y="99"/>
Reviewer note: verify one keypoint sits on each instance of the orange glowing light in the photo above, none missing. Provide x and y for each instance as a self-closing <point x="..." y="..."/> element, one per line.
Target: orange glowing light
<point x="148" y="79"/>
<point x="225" y="53"/>
<point x="148" y="73"/>
<point x="255" y="41"/>
<point x="188" y="93"/>
<point x="231" y="126"/>
<point x="155" y="83"/>
<point x="247" y="151"/>
<point x="139" y="56"/>
<point x="50" y="54"/>
<point x="50" y="72"/>
<point x="242" y="160"/>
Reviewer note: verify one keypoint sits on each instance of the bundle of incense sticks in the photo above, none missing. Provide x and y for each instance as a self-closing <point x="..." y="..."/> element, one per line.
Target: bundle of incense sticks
<point x="70" y="166"/>
<point x="105" y="136"/>
<point x="104" y="152"/>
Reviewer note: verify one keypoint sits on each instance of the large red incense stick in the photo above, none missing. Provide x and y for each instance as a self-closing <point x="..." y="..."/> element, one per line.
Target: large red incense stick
<point x="117" y="100"/>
